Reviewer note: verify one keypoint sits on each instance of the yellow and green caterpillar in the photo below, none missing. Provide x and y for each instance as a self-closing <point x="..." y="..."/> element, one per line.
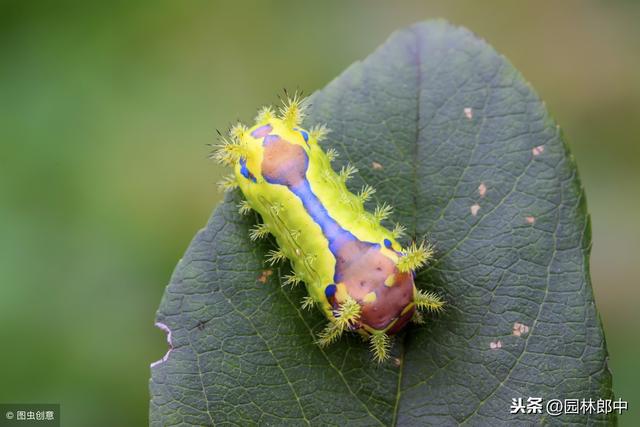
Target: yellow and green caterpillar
<point x="354" y="269"/>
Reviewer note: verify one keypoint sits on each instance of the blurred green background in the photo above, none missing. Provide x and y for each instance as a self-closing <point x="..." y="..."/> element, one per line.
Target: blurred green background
<point x="105" y="113"/>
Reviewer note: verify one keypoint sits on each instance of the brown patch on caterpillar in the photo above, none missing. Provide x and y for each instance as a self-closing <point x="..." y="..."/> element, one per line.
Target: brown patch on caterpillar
<point x="364" y="269"/>
<point x="283" y="162"/>
<point x="391" y="302"/>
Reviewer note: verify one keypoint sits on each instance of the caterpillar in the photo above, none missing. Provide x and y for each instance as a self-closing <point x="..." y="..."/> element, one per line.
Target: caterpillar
<point x="354" y="269"/>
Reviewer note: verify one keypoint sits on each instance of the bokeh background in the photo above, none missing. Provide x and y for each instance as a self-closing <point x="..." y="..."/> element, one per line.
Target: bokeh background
<point x="105" y="113"/>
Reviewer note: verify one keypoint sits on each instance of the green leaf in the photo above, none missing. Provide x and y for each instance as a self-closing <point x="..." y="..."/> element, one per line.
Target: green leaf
<point x="452" y="136"/>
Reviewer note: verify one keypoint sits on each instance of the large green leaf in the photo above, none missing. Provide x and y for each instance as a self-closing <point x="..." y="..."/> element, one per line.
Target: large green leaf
<point x="451" y="135"/>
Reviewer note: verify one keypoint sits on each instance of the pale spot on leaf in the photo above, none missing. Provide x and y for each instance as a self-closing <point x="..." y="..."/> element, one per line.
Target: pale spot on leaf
<point x="468" y="112"/>
<point x="264" y="276"/>
<point x="482" y="189"/>
<point x="494" y="345"/>
<point x="474" y="209"/>
<point x="520" y="329"/>
<point x="376" y="165"/>
<point x="538" y="150"/>
<point x="530" y="219"/>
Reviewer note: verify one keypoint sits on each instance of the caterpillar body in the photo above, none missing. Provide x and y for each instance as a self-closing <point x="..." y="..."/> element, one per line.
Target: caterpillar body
<point x="354" y="269"/>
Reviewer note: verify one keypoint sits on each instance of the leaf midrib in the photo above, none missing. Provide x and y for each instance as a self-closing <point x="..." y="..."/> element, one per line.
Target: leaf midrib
<point x="418" y="132"/>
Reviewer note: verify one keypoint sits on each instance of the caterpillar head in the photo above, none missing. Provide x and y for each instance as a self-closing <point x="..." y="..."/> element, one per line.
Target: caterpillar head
<point x="375" y="294"/>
